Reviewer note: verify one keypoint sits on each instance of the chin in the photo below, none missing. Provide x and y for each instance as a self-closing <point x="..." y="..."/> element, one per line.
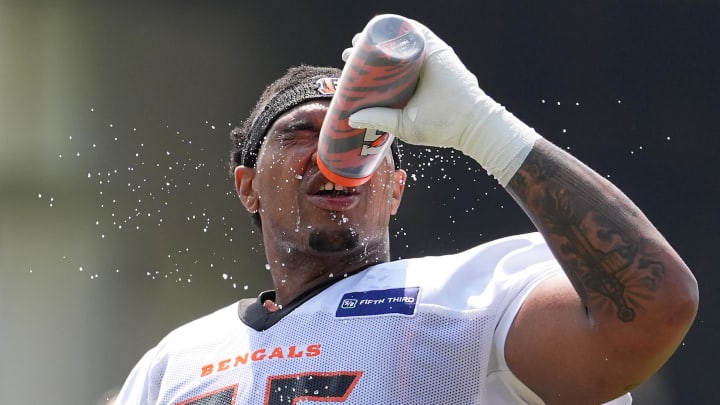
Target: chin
<point x="341" y="239"/>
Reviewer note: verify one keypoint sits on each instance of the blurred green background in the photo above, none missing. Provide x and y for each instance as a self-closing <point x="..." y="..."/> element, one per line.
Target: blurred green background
<point x="118" y="220"/>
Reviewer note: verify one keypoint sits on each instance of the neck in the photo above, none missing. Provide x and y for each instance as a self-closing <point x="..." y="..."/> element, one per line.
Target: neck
<point x="295" y="271"/>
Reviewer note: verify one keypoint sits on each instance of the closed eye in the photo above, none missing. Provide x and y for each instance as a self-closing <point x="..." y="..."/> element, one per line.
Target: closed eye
<point x="298" y="131"/>
<point x="300" y="125"/>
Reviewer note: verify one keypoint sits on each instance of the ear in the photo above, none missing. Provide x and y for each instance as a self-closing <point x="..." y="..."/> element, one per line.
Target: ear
<point x="398" y="189"/>
<point x="244" y="177"/>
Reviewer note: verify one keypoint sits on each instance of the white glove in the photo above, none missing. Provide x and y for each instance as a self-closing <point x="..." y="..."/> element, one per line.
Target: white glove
<point x="449" y="109"/>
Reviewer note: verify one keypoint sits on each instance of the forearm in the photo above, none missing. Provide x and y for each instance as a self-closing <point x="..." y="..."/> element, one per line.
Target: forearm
<point x="619" y="264"/>
<point x="633" y="300"/>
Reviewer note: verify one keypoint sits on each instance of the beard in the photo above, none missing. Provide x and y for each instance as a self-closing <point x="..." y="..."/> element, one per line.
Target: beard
<point x="334" y="241"/>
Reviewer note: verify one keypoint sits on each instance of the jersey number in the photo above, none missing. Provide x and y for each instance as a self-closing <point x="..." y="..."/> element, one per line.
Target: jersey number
<point x="290" y="389"/>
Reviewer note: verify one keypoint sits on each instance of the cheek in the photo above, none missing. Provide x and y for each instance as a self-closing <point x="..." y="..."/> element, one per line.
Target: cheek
<point x="275" y="189"/>
<point x="291" y="164"/>
<point x="381" y="192"/>
<point x="275" y="168"/>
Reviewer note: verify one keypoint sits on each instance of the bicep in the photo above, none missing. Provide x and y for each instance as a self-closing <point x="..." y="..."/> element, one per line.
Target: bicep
<point x="555" y="349"/>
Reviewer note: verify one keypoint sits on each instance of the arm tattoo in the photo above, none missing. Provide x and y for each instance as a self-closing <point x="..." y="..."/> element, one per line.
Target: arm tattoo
<point x="591" y="228"/>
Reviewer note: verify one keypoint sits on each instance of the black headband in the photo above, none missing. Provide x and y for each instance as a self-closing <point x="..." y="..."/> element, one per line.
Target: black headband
<point x="281" y="102"/>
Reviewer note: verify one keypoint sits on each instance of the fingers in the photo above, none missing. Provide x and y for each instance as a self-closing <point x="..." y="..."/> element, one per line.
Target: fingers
<point x="346" y="54"/>
<point x="433" y="43"/>
<point x="384" y="119"/>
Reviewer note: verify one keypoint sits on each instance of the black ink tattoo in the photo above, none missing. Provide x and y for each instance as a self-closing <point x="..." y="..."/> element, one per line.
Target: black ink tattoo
<point x="598" y="256"/>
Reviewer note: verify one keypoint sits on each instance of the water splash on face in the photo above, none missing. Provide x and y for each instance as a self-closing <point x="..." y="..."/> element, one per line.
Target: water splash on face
<point x="169" y="188"/>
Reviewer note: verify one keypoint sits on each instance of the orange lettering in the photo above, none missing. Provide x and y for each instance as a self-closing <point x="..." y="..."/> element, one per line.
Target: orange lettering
<point x="241" y="359"/>
<point x="312" y="351"/>
<point x="294" y="355"/>
<point x="277" y="353"/>
<point x="258" y="355"/>
<point x="224" y="365"/>
<point x="206" y="370"/>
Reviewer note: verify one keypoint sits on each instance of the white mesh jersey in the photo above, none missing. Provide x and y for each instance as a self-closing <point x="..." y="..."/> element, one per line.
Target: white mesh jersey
<point x="418" y="331"/>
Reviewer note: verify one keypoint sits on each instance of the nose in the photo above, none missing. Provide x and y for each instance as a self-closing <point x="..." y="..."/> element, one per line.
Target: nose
<point x="309" y="162"/>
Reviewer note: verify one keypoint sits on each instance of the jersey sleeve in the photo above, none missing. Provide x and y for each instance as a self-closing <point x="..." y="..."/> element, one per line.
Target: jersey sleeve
<point x="137" y="389"/>
<point x="143" y="385"/>
<point x="519" y="281"/>
<point x="526" y="270"/>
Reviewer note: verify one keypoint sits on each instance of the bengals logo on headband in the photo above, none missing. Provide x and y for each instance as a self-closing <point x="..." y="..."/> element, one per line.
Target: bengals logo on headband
<point x="327" y="85"/>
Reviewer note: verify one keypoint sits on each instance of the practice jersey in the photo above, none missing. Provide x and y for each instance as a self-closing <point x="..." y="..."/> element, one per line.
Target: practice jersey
<point x="417" y="331"/>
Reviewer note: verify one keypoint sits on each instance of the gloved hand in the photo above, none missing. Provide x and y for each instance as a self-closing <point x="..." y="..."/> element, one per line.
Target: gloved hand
<point x="449" y="109"/>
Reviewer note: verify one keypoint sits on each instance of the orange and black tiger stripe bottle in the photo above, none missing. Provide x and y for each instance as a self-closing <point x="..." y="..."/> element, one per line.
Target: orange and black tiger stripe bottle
<point x="381" y="71"/>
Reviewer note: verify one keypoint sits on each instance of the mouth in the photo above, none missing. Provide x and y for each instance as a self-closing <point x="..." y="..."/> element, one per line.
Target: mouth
<point x="331" y="196"/>
<point x="333" y="189"/>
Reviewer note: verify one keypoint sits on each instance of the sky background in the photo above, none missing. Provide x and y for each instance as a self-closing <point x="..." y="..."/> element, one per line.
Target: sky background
<point x="119" y="222"/>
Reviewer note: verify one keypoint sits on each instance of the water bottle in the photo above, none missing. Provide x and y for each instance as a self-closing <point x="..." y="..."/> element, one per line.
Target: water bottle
<point x="381" y="71"/>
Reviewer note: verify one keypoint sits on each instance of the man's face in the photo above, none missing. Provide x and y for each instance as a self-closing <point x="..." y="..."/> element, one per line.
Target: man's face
<point x="299" y="208"/>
